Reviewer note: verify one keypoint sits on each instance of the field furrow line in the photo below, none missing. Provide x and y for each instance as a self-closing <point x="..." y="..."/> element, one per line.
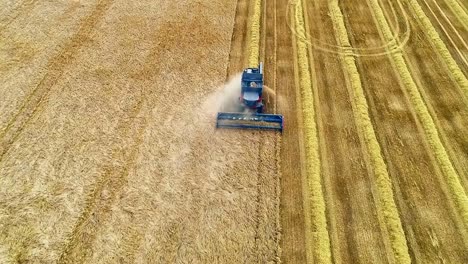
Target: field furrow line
<point x="440" y="47"/>
<point x="456" y="189"/>
<point x="54" y="70"/>
<point x="388" y="207"/>
<point x="459" y="11"/>
<point x="317" y="236"/>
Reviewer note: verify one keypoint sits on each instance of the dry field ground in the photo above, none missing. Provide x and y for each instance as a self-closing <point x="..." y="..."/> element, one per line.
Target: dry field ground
<point x="108" y="151"/>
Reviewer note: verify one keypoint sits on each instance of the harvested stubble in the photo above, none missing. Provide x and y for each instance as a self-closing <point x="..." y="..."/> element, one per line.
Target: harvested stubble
<point x="460" y="12"/>
<point x="318" y="242"/>
<point x="440" y="46"/>
<point x="120" y="159"/>
<point x="387" y="206"/>
<point x="431" y="132"/>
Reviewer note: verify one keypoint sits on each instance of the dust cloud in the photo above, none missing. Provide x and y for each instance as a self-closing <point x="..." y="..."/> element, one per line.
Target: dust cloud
<point x="225" y="98"/>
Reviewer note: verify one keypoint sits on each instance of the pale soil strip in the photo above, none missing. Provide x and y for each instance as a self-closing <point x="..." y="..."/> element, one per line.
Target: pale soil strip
<point x="440" y="46"/>
<point x="384" y="185"/>
<point x="317" y="233"/>
<point x="427" y="122"/>
<point x="459" y="12"/>
<point x="253" y="37"/>
<point x="55" y="70"/>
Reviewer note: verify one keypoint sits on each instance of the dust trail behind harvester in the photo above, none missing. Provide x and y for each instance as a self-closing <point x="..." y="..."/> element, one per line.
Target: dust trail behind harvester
<point x="226" y="98"/>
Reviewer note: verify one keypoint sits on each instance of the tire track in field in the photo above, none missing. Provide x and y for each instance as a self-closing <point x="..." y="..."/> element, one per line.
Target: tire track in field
<point x="317" y="236"/>
<point x="430" y="129"/>
<point x="54" y="69"/>
<point x="459" y="12"/>
<point x="446" y="32"/>
<point x="388" y="208"/>
<point x="366" y="51"/>
<point x="20" y="10"/>
<point x="440" y="46"/>
<point x="100" y="198"/>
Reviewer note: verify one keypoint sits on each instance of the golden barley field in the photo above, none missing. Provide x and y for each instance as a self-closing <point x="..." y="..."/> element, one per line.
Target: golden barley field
<point x="109" y="151"/>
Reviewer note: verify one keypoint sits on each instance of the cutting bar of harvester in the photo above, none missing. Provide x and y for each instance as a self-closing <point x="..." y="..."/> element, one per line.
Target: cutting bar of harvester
<point x="250" y="121"/>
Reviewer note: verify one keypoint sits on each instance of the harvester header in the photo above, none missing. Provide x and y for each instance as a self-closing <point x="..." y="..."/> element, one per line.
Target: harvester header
<point x="251" y="106"/>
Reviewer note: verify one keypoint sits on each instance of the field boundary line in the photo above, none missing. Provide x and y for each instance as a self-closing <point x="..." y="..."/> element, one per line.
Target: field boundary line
<point x="459" y="12"/>
<point x="440" y="46"/>
<point x="317" y="237"/>
<point x="429" y="127"/>
<point x="54" y="71"/>
<point x="362" y="118"/>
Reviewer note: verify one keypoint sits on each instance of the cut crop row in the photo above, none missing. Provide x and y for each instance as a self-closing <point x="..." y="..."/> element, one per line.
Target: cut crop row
<point x="430" y="129"/>
<point x="317" y="236"/>
<point x="387" y="206"/>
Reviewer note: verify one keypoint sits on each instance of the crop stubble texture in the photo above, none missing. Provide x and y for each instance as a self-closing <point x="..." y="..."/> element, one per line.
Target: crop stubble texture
<point x="122" y="162"/>
<point x="388" y="207"/>
<point x="405" y="148"/>
<point x="317" y="237"/>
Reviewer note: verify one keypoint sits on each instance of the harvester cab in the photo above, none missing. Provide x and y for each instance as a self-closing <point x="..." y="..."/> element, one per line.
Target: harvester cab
<point x="252" y="89"/>
<point x="251" y="106"/>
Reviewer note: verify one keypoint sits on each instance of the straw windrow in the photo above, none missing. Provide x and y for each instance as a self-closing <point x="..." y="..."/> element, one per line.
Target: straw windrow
<point x="440" y="46"/>
<point x="459" y="12"/>
<point x="253" y="35"/>
<point x="430" y="129"/>
<point x="386" y="206"/>
<point x="317" y="236"/>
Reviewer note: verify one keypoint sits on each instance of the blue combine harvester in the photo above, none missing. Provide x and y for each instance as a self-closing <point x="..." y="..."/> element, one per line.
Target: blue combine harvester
<point x="251" y="106"/>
